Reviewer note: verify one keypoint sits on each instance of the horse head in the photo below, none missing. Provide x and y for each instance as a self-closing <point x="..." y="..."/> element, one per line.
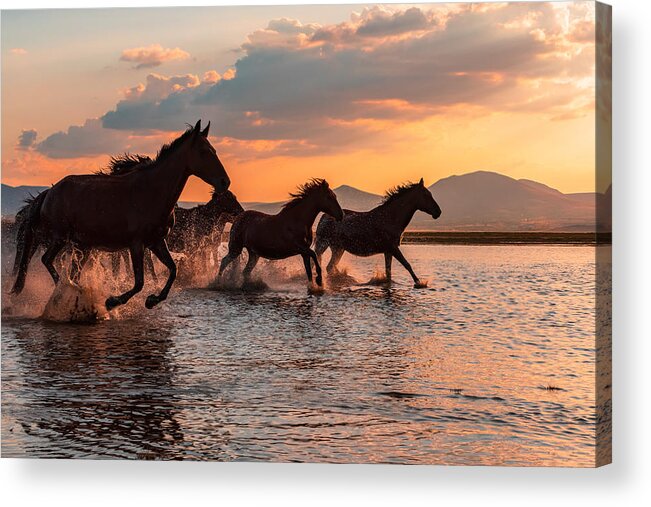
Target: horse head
<point x="327" y="202"/>
<point x="425" y="201"/>
<point x="226" y="202"/>
<point x="203" y="160"/>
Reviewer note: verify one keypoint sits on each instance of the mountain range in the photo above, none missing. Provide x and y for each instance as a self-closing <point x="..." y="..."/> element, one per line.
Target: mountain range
<point x="477" y="201"/>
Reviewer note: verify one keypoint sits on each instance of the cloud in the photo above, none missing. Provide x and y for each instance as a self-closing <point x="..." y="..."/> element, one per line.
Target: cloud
<point x="26" y="139"/>
<point x="158" y="87"/>
<point x="152" y="56"/>
<point x="310" y="89"/>
<point x="89" y="139"/>
<point x="18" y="51"/>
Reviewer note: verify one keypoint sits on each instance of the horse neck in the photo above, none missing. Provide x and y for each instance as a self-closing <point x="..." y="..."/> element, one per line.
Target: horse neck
<point x="399" y="211"/>
<point x="304" y="212"/>
<point x="168" y="180"/>
<point x="212" y="207"/>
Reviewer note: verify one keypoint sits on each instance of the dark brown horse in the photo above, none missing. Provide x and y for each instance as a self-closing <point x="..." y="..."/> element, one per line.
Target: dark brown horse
<point x="378" y="230"/>
<point x="285" y="234"/>
<point x="121" y="164"/>
<point x="132" y="210"/>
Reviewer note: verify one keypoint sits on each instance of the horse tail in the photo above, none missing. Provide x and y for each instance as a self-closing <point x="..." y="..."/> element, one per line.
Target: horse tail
<point x="29" y="216"/>
<point x="324" y="231"/>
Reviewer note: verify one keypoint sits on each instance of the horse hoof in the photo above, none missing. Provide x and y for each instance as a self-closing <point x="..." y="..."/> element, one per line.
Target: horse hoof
<point x="319" y="281"/>
<point x="112" y="302"/>
<point x="420" y="284"/>
<point x="151" y="301"/>
<point x="315" y="290"/>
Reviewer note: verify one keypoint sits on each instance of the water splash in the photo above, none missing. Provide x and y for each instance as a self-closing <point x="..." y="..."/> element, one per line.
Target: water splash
<point x="71" y="303"/>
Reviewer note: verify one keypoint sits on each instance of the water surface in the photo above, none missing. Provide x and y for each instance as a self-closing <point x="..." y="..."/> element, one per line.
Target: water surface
<point x="456" y="373"/>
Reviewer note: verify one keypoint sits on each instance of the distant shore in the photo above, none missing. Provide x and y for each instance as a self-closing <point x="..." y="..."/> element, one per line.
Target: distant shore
<point x="506" y="238"/>
<point x="462" y="237"/>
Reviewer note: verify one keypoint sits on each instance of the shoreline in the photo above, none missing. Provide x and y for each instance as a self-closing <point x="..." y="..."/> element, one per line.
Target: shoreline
<point x="506" y="238"/>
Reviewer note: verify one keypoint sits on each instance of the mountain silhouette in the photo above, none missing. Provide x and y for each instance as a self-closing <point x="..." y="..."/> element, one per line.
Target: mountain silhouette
<point x="477" y="201"/>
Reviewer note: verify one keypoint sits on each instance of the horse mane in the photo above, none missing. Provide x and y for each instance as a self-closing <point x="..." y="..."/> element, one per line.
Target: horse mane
<point x="168" y="148"/>
<point x="395" y="192"/>
<point x="302" y="191"/>
<point x="127" y="162"/>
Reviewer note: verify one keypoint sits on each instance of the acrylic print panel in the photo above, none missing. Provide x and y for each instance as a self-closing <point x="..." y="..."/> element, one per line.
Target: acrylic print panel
<point x="334" y="233"/>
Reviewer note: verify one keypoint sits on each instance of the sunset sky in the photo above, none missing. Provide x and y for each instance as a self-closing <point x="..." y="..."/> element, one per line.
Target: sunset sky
<point x="363" y="95"/>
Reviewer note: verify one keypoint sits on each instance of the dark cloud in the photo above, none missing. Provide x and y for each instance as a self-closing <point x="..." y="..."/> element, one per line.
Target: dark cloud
<point x="26" y="138"/>
<point x="87" y="140"/>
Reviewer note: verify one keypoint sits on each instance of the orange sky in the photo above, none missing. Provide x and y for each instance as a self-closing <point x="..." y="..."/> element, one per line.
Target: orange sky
<point x="367" y="96"/>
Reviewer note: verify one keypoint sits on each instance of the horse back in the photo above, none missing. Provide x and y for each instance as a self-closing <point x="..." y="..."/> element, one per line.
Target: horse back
<point x="102" y="211"/>
<point x="359" y="232"/>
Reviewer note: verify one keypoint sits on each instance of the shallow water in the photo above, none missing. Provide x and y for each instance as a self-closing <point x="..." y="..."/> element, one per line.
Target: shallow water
<point x="451" y="374"/>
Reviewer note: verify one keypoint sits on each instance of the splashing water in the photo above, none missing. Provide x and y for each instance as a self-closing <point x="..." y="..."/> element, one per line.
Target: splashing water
<point x="71" y="303"/>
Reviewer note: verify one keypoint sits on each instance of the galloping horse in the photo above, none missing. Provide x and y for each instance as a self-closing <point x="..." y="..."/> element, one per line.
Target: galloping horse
<point x="378" y="230"/>
<point x="118" y="165"/>
<point x="133" y="210"/>
<point x="285" y="234"/>
<point x="195" y="228"/>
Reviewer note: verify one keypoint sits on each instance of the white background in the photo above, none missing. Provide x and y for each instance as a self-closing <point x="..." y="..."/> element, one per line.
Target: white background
<point x="626" y="482"/>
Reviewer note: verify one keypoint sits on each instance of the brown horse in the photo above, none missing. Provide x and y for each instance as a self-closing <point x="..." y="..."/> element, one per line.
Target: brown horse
<point x="285" y="234"/>
<point x="132" y="210"/>
<point x="118" y="165"/>
<point x="378" y="230"/>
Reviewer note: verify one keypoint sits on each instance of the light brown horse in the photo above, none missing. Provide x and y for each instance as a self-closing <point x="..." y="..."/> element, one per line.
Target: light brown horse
<point x="379" y="230"/>
<point x="132" y="210"/>
<point x="285" y="234"/>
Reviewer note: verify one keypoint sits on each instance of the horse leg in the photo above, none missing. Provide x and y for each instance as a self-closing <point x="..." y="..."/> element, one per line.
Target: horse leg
<point x="401" y="259"/>
<point x="161" y="251"/>
<point x="233" y="254"/>
<point x="150" y="266"/>
<point x="320" y="246"/>
<point x="387" y="265"/>
<point x="137" y="253"/>
<point x="317" y="265"/>
<point x="49" y="256"/>
<point x="250" y="264"/>
<point x="335" y="257"/>
<point x="308" y="266"/>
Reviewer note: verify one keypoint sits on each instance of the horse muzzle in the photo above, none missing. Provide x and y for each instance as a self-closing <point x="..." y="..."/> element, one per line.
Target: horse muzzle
<point x="436" y="214"/>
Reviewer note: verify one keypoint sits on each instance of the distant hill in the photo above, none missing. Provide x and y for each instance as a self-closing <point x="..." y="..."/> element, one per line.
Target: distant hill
<point x="485" y="200"/>
<point x="13" y="197"/>
<point x="477" y="201"/>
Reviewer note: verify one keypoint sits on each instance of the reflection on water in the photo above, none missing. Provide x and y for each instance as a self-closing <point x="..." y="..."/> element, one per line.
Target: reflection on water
<point x="457" y="373"/>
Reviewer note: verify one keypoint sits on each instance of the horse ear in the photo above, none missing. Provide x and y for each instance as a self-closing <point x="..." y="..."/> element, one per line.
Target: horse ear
<point x="204" y="132"/>
<point x="422" y="183"/>
<point x="197" y="127"/>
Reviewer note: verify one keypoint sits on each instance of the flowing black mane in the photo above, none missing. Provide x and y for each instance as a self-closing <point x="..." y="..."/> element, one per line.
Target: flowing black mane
<point x="304" y="190"/>
<point x="168" y="148"/>
<point x="393" y="193"/>
<point x="122" y="164"/>
<point x="127" y="162"/>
